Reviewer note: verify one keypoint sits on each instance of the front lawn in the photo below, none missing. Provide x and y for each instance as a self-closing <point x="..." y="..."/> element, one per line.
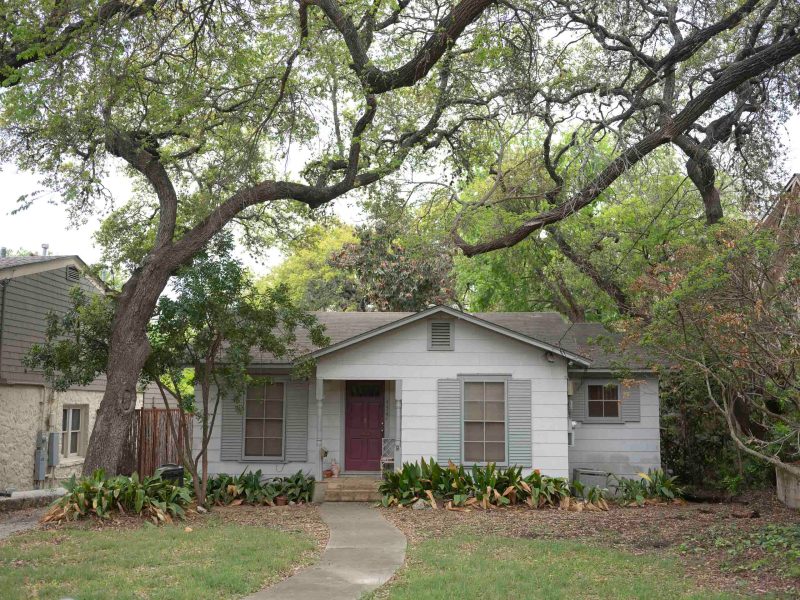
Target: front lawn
<point x="661" y="550"/>
<point x="470" y="566"/>
<point x="216" y="559"/>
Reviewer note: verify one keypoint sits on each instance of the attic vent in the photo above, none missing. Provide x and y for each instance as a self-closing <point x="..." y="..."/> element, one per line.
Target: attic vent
<point x="441" y="335"/>
<point x="73" y="274"/>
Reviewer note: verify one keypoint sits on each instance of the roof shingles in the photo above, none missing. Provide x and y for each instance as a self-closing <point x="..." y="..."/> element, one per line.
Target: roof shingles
<point x="578" y="338"/>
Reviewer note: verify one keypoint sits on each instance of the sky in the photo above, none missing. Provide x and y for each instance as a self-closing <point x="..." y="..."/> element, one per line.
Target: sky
<point x="46" y="221"/>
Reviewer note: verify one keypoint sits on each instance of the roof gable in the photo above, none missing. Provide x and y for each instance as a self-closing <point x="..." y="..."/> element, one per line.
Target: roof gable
<point x="12" y="267"/>
<point x="476" y="319"/>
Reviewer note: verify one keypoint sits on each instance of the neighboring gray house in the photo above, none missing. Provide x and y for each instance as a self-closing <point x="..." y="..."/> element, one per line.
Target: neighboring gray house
<point x="35" y="420"/>
<point x="30" y="410"/>
<point x="526" y="389"/>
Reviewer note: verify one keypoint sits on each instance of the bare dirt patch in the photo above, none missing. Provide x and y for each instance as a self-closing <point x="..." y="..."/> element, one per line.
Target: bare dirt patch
<point x="693" y="533"/>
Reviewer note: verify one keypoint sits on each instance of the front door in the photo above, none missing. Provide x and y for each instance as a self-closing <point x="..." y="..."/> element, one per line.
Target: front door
<point x="363" y="425"/>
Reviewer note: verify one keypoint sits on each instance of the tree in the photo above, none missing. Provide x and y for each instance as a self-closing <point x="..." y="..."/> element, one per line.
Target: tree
<point x="215" y="320"/>
<point x="384" y="273"/>
<point x="201" y="338"/>
<point x="204" y="101"/>
<point x="32" y="32"/>
<point x="313" y="283"/>
<point x="724" y="311"/>
<point x="712" y="79"/>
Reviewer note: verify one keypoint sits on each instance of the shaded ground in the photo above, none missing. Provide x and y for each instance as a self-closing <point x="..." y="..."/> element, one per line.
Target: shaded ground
<point x="718" y="545"/>
<point x="19" y="520"/>
<point x="226" y="554"/>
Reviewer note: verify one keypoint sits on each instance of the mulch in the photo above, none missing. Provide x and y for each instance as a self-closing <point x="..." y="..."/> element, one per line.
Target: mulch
<point x="301" y="518"/>
<point x="660" y="529"/>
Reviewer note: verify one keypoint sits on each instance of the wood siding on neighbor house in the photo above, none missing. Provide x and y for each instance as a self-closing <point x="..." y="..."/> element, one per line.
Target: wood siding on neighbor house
<point x="29" y="299"/>
<point x="627" y="447"/>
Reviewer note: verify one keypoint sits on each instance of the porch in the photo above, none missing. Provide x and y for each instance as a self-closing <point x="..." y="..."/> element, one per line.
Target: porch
<point x="358" y="428"/>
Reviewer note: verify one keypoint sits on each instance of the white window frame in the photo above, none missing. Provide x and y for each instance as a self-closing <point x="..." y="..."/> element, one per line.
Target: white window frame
<point x="66" y="434"/>
<point x="485" y="379"/>
<point x="265" y="458"/>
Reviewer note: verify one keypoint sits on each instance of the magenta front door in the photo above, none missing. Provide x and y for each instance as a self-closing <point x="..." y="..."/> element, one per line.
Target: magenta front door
<point x="363" y="425"/>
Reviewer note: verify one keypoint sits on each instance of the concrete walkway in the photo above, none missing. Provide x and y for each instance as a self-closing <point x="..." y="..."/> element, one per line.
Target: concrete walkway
<point x="363" y="552"/>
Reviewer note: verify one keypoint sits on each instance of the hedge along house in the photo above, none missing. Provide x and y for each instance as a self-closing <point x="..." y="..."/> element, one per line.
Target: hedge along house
<point x="527" y="389"/>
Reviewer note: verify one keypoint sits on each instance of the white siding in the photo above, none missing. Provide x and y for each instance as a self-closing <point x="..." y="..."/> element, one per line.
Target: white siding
<point x="403" y="354"/>
<point x="621" y="448"/>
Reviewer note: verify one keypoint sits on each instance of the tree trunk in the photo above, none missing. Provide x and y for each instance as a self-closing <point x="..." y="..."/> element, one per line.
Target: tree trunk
<point x="109" y="445"/>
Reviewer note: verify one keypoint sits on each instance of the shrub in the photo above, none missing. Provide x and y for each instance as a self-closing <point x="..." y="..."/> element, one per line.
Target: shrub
<point x="251" y="488"/>
<point x="481" y="485"/>
<point x="653" y="485"/>
<point x="296" y="488"/>
<point x="153" y="497"/>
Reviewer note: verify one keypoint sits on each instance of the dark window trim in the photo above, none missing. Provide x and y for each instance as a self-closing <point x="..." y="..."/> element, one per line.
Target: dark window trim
<point x="608" y="420"/>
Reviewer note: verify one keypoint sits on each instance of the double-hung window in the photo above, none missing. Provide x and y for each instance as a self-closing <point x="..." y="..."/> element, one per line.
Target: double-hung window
<point x="484" y="421"/>
<point x="71" y="431"/>
<point x="264" y="421"/>
<point x="603" y="401"/>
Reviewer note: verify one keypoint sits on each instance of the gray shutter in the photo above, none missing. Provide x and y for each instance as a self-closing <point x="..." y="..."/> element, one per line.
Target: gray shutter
<point x="519" y="422"/>
<point x="296" y="421"/>
<point x="449" y="420"/>
<point x="630" y="407"/>
<point x="231" y="430"/>
<point x="578" y="401"/>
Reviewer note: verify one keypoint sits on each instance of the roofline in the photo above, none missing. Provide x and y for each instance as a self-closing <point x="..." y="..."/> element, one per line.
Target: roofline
<point x="458" y="315"/>
<point x="793" y="180"/>
<point x="602" y="370"/>
<point x="51" y="265"/>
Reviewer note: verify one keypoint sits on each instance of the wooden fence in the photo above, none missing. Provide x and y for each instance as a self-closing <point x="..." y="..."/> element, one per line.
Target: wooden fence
<point x="155" y="445"/>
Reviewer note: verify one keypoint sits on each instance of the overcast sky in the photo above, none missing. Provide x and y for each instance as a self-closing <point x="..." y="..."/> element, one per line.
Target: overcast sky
<point x="47" y="223"/>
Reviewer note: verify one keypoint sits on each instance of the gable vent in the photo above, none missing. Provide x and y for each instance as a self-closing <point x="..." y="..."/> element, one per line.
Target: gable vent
<point x="73" y="274"/>
<point x="440" y="335"/>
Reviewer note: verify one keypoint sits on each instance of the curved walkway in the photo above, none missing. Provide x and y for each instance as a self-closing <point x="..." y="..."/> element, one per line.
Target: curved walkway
<point x="363" y="552"/>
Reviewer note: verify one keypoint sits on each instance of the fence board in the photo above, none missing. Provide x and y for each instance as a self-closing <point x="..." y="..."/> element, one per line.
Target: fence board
<point x="155" y="444"/>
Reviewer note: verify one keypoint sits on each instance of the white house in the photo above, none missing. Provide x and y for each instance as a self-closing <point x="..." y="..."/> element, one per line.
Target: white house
<point x="526" y="389"/>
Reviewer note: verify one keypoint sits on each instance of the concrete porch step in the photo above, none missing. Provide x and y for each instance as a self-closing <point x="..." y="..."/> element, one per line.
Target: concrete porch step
<point x="352" y="489"/>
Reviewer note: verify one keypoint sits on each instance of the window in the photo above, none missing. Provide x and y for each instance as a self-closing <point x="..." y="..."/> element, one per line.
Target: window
<point x="263" y="423"/>
<point x="440" y="335"/>
<point x="71" y="431"/>
<point x="604" y="401"/>
<point x="484" y="421"/>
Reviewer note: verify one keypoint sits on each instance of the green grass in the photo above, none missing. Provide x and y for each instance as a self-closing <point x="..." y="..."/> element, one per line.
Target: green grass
<point x="215" y="560"/>
<point x="501" y="568"/>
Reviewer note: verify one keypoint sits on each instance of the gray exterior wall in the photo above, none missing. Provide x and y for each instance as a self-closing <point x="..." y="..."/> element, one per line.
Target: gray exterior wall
<point x="27" y="405"/>
<point x="626" y="447"/>
<point x="29" y="299"/>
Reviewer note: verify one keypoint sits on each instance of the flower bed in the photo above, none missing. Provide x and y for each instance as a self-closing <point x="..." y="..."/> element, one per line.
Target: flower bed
<point x="456" y="488"/>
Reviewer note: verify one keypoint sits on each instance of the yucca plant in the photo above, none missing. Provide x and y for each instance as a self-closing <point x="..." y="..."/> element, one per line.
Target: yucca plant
<point x="154" y="497"/>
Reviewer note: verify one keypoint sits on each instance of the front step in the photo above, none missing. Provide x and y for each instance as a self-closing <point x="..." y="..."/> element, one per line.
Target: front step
<point x="352" y="489"/>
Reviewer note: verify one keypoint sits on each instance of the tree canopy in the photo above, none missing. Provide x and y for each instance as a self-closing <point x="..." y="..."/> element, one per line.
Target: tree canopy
<point x="257" y="113"/>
